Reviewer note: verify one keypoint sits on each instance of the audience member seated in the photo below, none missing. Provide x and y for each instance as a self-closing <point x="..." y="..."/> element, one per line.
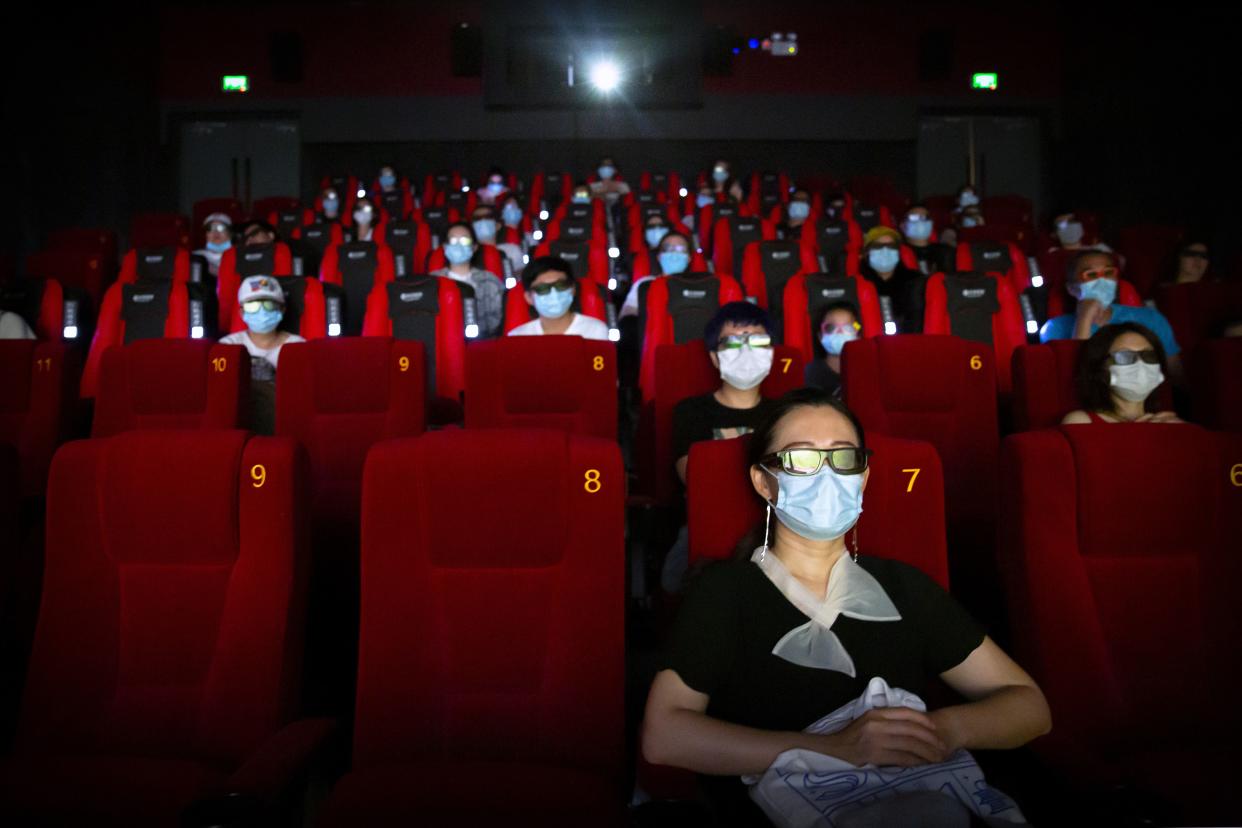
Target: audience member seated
<point x="219" y="230"/>
<point x="672" y="256"/>
<point x="489" y="290"/>
<point x="1118" y="370"/>
<point x="365" y="219"/>
<point x="904" y="287"/>
<point x="13" y="326"/>
<point x="1092" y="280"/>
<point x="1071" y="235"/>
<point x="263" y="306"/>
<point x="1193" y="260"/>
<point x="932" y="257"/>
<point x="550" y="289"/>
<point x="496" y="189"/>
<point x="837" y="324"/>
<point x="799" y="627"/>
<point x="329" y="206"/>
<point x="724" y="186"/>
<point x="794" y="214"/>
<point x="607" y="186"/>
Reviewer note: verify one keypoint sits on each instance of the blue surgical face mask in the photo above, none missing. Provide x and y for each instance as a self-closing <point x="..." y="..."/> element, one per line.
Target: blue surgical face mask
<point x="883" y="259"/>
<point x="387" y="180"/>
<point x="919" y="229"/>
<point x="720" y="175"/>
<point x="606" y="171"/>
<point x="834" y="341"/>
<point x="1070" y="233"/>
<point x="967" y="199"/>
<point x="219" y="247"/>
<point x="485" y="228"/>
<point x="581" y="199"/>
<point x="655" y="234"/>
<point x="819" y="506"/>
<point x="511" y="215"/>
<point x="262" y="321"/>
<point x="495" y="186"/>
<point x="799" y="210"/>
<point x="702" y="200"/>
<point x="330" y="206"/>
<point x="673" y="262"/>
<point x="1103" y="291"/>
<point x="970" y="221"/>
<point x="554" y="304"/>
<point x="458" y="253"/>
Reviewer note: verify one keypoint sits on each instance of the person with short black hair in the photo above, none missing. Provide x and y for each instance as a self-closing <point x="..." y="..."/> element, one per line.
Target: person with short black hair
<point x="460" y="245"/>
<point x="1118" y="371"/>
<point x="794" y="214"/>
<point x="835" y="324"/>
<point x="933" y="257"/>
<point x="483" y="221"/>
<point x="671" y="256"/>
<point x="550" y="288"/>
<point x="257" y="232"/>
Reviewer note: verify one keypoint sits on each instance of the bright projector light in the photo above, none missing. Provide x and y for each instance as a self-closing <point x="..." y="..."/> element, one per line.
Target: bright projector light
<point x="606" y="76"/>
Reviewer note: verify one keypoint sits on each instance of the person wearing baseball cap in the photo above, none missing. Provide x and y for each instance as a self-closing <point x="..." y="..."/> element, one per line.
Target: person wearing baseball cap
<point x="262" y="304"/>
<point x="219" y="230"/>
<point x="881" y="265"/>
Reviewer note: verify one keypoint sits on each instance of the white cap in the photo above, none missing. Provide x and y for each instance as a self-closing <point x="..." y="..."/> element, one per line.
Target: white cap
<point x="223" y="218"/>
<point x="260" y="287"/>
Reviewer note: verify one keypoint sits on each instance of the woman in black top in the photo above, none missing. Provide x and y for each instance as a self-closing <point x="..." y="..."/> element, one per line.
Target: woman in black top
<point x="881" y="265"/>
<point x="727" y="704"/>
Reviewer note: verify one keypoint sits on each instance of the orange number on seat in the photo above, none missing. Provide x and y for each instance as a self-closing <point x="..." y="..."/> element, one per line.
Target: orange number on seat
<point x="218" y="364"/>
<point x="44" y="364"/>
<point x="1235" y="475"/>
<point x="598" y="363"/>
<point x="404" y="364"/>
<point x="258" y="473"/>
<point x="976" y="362"/>
<point x="592" y="484"/>
<point x="914" y="475"/>
<point x="788" y="361"/>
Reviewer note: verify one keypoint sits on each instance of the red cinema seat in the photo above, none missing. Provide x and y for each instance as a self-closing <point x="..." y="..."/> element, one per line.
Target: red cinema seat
<point x="647" y="263"/>
<point x="165" y="665"/>
<point x="1053" y="265"/>
<point x="589" y="301"/>
<point x="462" y="204"/>
<point x="592" y="215"/>
<point x="589" y="259"/>
<point x="155" y="264"/>
<point x="84" y="270"/>
<point x="709" y="215"/>
<point x="941" y="389"/>
<point x="1103" y="561"/>
<point x="808" y="293"/>
<point x="1196" y="311"/>
<point x="767" y="267"/>
<point x="438" y="185"/>
<point x="203" y="208"/>
<point x="1215" y="372"/>
<point x="410" y="243"/>
<point x="831" y="246"/>
<point x="562" y="382"/>
<point x="287" y="220"/>
<point x="1001" y="258"/>
<point x="357" y="267"/>
<point x="486" y="257"/>
<point x="36" y="410"/>
<point x="979" y="307"/>
<point x="767" y="190"/>
<point x="678" y="309"/>
<point x="867" y="216"/>
<point x="683" y="371"/>
<point x="427" y="309"/>
<point x="160" y="230"/>
<point x="263" y="208"/>
<point x="94" y="240"/>
<point x="903" y="506"/>
<point x="498" y="697"/>
<point x="171" y="383"/>
<point x="305" y="308"/>
<point x="1149" y="250"/>
<point x="730" y="237"/>
<point x="995" y="232"/>
<point x="238" y="264"/>
<point x="144" y="310"/>
<point x="397" y="204"/>
<point x="1009" y="208"/>
<point x="549" y="190"/>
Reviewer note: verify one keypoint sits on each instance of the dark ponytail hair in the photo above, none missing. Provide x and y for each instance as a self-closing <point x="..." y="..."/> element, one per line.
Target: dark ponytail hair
<point x="1091" y="375"/>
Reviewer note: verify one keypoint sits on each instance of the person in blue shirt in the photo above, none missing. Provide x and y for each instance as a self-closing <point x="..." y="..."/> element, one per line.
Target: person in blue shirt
<point x="1092" y="280"/>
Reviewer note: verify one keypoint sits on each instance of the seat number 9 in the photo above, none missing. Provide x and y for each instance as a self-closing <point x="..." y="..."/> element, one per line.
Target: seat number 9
<point x="592" y="483"/>
<point x="404" y="364"/>
<point x="258" y="474"/>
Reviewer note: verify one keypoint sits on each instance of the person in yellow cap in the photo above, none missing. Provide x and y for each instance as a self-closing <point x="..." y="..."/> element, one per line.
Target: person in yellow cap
<point x="881" y="265"/>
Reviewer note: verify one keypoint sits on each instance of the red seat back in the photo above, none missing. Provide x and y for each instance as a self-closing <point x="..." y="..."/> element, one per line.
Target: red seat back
<point x="947" y="314"/>
<point x="1001" y="258"/>
<point x="1197" y="310"/>
<point x="169" y="262"/>
<point x="805" y="294"/>
<point x="903" y="506"/>
<point x="169" y="301"/>
<point x="730" y="235"/>
<point x="444" y="345"/>
<point x="40" y="382"/>
<point x="1215" y="368"/>
<point x="561" y="382"/>
<point x="359" y="268"/>
<point x="510" y="651"/>
<point x="171" y="620"/>
<point x="1102" y="560"/>
<point x="82" y="269"/>
<point x="678" y="308"/>
<point x="171" y="383"/>
<point x="1150" y="251"/>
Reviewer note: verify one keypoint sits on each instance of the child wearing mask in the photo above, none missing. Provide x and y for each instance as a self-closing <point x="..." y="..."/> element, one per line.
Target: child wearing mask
<point x="550" y="289"/>
<point x="262" y="305"/>
<point x="837" y="324"/>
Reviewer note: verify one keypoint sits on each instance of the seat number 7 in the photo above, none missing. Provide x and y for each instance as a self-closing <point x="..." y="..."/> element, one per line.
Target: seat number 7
<point x="914" y="475"/>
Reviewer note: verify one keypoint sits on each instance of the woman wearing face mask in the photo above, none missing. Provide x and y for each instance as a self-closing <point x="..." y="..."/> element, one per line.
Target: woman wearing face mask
<point x="672" y="256"/>
<point x="219" y="232"/>
<point x="931" y="256"/>
<point x="794" y="215"/>
<point x="904" y="287"/>
<point x="489" y="291"/>
<point x="798" y="626"/>
<point x="837" y="324"/>
<point x="262" y="305"/>
<point x="514" y="225"/>
<point x="330" y="206"/>
<point x="364" y="220"/>
<point x="607" y="185"/>
<point x="1119" y="369"/>
<point x="550" y="289"/>
<point x="495" y="190"/>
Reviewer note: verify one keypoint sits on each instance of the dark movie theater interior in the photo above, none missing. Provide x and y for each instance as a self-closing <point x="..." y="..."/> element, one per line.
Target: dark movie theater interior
<point x="821" y="414"/>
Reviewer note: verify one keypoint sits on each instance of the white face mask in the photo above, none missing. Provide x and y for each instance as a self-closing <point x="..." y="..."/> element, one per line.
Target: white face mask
<point x="745" y="367"/>
<point x="1136" y="381"/>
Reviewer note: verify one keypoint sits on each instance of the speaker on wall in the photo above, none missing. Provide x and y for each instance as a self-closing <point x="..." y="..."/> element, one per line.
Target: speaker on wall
<point x="466" y="44"/>
<point x="285" y="52"/>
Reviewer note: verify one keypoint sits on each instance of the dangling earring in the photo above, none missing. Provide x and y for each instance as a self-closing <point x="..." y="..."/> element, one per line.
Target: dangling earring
<point x="855" y="535"/>
<point x="767" y="525"/>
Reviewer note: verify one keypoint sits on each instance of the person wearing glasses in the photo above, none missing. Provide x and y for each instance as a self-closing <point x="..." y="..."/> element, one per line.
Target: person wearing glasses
<point x="798" y="624"/>
<point x="218" y="228"/>
<point x="262" y="305"/>
<point x="550" y="288"/>
<point x="836" y="323"/>
<point x="1117" y="373"/>
<point x="932" y="257"/>
<point x="460" y="245"/>
<point x="1193" y="258"/>
<point x="903" y="287"/>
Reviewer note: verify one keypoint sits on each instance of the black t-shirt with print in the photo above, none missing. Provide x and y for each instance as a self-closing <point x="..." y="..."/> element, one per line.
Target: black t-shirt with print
<point x="704" y="418"/>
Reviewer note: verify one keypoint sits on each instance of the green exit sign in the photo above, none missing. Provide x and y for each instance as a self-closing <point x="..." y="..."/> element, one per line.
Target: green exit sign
<point x="984" y="80"/>
<point x="235" y="83"/>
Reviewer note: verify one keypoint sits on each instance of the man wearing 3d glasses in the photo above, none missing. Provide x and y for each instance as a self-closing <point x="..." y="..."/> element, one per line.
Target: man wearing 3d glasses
<point x="550" y="289"/>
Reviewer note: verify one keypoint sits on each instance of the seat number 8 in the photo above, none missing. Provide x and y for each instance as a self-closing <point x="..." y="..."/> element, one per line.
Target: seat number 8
<point x="592" y="483"/>
<point x="598" y="363"/>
